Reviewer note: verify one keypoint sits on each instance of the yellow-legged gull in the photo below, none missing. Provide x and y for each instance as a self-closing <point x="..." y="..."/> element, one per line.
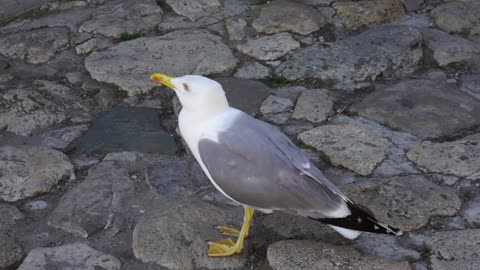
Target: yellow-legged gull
<point x="257" y="166"/>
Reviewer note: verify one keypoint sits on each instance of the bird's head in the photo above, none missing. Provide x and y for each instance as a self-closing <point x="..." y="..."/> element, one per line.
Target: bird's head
<point x="196" y="93"/>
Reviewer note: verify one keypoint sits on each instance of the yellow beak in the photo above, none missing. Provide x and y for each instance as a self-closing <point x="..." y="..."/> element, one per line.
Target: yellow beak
<point x="163" y="79"/>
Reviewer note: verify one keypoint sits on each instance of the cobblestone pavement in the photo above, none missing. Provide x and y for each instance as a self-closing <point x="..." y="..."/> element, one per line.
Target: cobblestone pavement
<point x="384" y="96"/>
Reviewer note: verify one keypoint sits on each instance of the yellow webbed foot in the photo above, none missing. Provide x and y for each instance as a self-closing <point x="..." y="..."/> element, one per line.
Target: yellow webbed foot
<point x="222" y="248"/>
<point x="229" y="230"/>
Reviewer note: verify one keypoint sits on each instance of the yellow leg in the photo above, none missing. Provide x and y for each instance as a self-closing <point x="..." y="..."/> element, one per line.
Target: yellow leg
<point x="227" y="247"/>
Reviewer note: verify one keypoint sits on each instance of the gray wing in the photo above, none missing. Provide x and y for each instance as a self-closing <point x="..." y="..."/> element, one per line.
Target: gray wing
<point x="259" y="166"/>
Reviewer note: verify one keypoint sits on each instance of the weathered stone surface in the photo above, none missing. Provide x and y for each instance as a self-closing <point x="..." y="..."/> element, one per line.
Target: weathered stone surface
<point x="25" y="109"/>
<point x="454" y="250"/>
<point x="297" y="227"/>
<point x="177" y="53"/>
<point x="36" y="46"/>
<point x="9" y="214"/>
<point x="471" y="85"/>
<point x="460" y="158"/>
<point x="194" y="9"/>
<point x="296" y="254"/>
<point x="31" y="170"/>
<point x="269" y="47"/>
<point x="274" y="104"/>
<point x="457" y="16"/>
<point x="412" y="5"/>
<point x="12" y="8"/>
<point x="128" y="129"/>
<point x="276" y="17"/>
<point x="471" y="212"/>
<point x="243" y="94"/>
<point x="234" y="7"/>
<point x="61" y="138"/>
<point x="314" y="105"/>
<point x="236" y="28"/>
<point x="158" y="236"/>
<point x="92" y="45"/>
<point x="350" y="146"/>
<point x="447" y="49"/>
<point x="396" y="162"/>
<point x="405" y="202"/>
<point x="89" y="206"/>
<point x="357" y="58"/>
<point x="10" y="252"/>
<point x="427" y="109"/>
<point x="71" y="18"/>
<point x="385" y="246"/>
<point x="359" y="13"/>
<point x="70" y="256"/>
<point x="252" y="71"/>
<point x="134" y="16"/>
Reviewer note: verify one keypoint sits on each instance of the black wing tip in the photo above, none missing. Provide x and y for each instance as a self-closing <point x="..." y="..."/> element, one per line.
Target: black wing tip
<point x="361" y="220"/>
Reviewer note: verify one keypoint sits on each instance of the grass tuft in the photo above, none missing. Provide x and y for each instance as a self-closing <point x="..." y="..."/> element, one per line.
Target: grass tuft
<point x="129" y="36"/>
<point x="275" y="81"/>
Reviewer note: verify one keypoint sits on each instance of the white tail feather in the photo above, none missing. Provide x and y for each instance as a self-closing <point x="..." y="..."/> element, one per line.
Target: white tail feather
<point x="350" y="234"/>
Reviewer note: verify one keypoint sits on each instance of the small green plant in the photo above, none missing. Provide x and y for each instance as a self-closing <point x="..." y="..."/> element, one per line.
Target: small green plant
<point x="275" y="81"/>
<point x="129" y="36"/>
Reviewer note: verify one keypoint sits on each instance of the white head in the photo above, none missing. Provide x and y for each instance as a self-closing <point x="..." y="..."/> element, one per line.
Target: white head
<point x="196" y="93"/>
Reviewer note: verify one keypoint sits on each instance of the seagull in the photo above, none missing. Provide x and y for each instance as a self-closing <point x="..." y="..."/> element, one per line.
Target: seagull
<point x="257" y="166"/>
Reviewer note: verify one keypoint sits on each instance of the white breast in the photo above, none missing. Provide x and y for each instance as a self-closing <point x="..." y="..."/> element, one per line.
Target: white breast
<point x="194" y="129"/>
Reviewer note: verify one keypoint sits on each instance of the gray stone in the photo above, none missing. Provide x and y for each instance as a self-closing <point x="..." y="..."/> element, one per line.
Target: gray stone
<point x="269" y="47"/>
<point x="297" y="227"/>
<point x="31" y="170"/>
<point x="176" y="53"/>
<point x="315" y="2"/>
<point x="274" y="104"/>
<point x="10" y="214"/>
<point x="236" y="28"/>
<point x="234" y="7"/>
<point x="70" y="256"/>
<point x="385" y="246"/>
<point x="194" y="9"/>
<point x="36" y="205"/>
<point x="149" y="103"/>
<point x="243" y="94"/>
<point x="75" y="77"/>
<point x="13" y="8"/>
<point x="61" y="138"/>
<point x="412" y="5"/>
<point x="296" y="128"/>
<point x="460" y="158"/>
<point x="72" y="19"/>
<point x="10" y="253"/>
<point x="290" y="92"/>
<point x="92" y="204"/>
<point x="314" y="105"/>
<point x="127" y="129"/>
<point x="26" y="109"/>
<point x="471" y="212"/>
<point x="93" y="45"/>
<point x="360" y="13"/>
<point x="178" y="22"/>
<point x="351" y="86"/>
<point x="454" y="250"/>
<point x="83" y="161"/>
<point x="471" y="85"/>
<point x="448" y="49"/>
<point x="36" y="46"/>
<point x="405" y="202"/>
<point x="158" y="235"/>
<point x="414" y="20"/>
<point x="437" y="75"/>
<point x="276" y="17"/>
<point x="427" y="109"/>
<point x="457" y="16"/>
<point x="351" y="146"/>
<point x="134" y="16"/>
<point x="279" y="118"/>
<point x="357" y="58"/>
<point x="252" y="70"/>
<point x="296" y="254"/>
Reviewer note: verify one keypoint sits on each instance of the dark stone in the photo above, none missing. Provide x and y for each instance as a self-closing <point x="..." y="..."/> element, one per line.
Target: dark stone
<point x="243" y="94"/>
<point x="128" y="129"/>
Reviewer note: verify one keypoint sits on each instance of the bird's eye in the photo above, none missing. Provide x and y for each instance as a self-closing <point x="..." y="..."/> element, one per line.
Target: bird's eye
<point x="185" y="86"/>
